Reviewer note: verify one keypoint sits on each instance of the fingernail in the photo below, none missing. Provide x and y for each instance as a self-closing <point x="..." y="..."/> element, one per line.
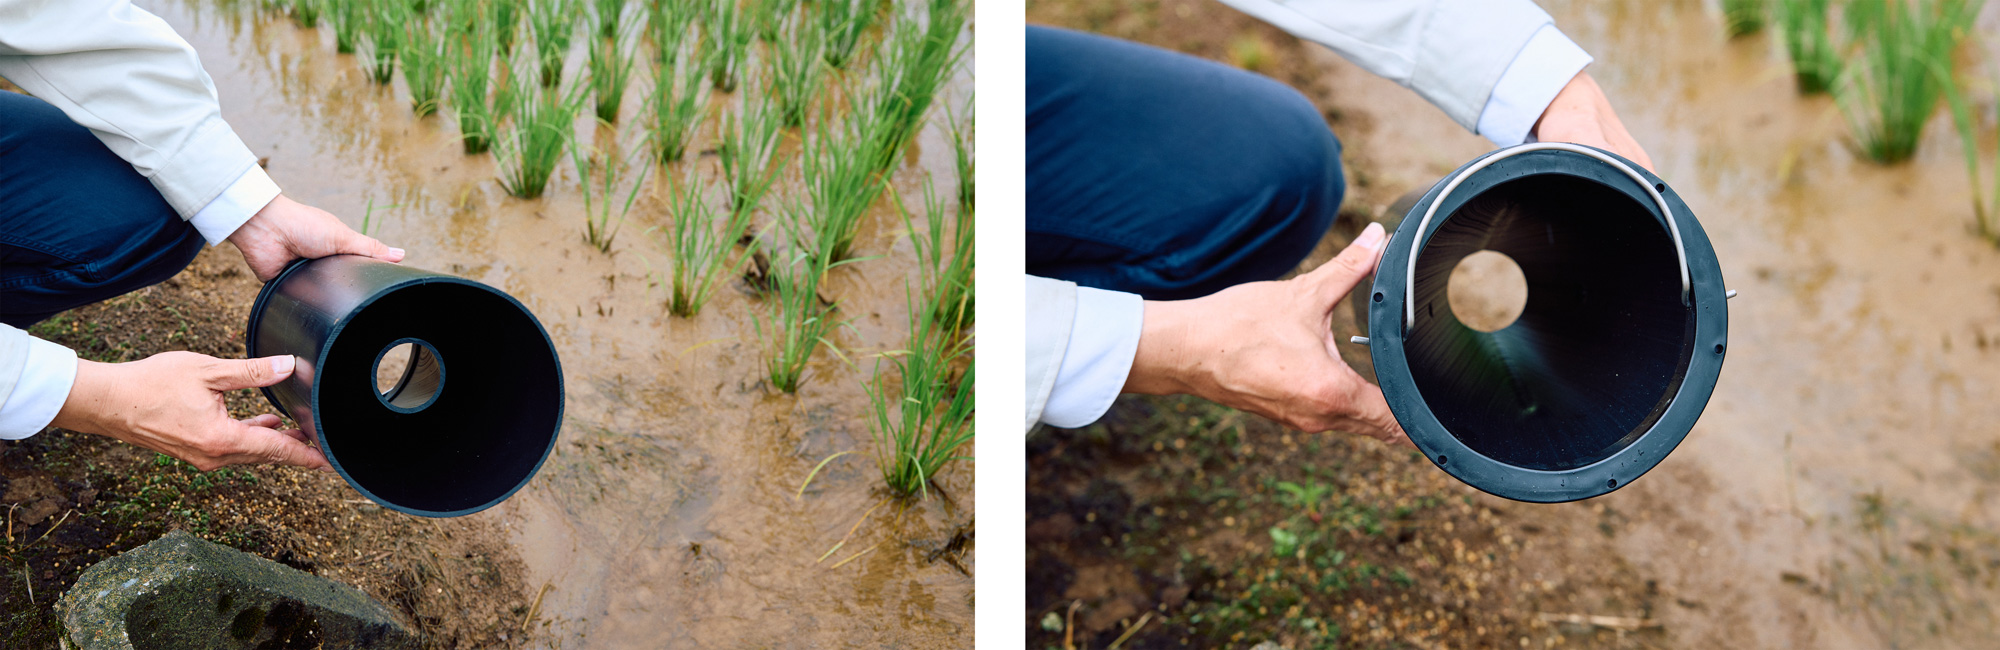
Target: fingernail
<point x="282" y="364"/>
<point x="1371" y="237"/>
<point x="398" y="252"/>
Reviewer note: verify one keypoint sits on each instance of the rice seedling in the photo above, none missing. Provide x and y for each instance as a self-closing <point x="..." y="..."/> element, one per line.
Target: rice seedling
<point x="961" y="150"/>
<point x="678" y="100"/>
<point x="601" y="172"/>
<point x="1986" y="216"/>
<point x="506" y="24"/>
<point x="306" y="12"/>
<point x="796" y="322"/>
<point x="841" y="180"/>
<point x="749" y="140"/>
<point x="554" y="24"/>
<point x="726" y="38"/>
<point x="767" y="17"/>
<point x="610" y="65"/>
<point x="531" y="142"/>
<point x="607" y="14"/>
<point x="701" y="246"/>
<point x="914" y="64"/>
<point x="946" y="272"/>
<point x="350" y="19"/>
<point x="667" y="25"/>
<point x="922" y="419"/>
<point x="383" y="38"/>
<point x="1742" y="17"/>
<point x="472" y="47"/>
<point x="843" y="24"/>
<point x="1808" y="35"/>
<point x="1893" y="87"/>
<point x="424" y="57"/>
<point x="796" y="71"/>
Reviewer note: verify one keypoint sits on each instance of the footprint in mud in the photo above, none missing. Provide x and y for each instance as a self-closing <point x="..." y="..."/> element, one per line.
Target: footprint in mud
<point x="700" y="566"/>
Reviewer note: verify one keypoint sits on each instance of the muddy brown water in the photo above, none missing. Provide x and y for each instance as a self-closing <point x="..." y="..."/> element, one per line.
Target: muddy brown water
<point x="667" y="514"/>
<point x="1838" y="492"/>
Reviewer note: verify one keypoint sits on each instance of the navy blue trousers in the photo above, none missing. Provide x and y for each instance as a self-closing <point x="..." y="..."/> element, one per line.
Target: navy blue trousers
<point x="77" y="223"/>
<point x="1161" y="174"/>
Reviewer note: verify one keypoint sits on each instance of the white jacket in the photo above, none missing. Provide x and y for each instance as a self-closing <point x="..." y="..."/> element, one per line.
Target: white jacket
<point x="1493" y="66"/>
<point x="124" y="74"/>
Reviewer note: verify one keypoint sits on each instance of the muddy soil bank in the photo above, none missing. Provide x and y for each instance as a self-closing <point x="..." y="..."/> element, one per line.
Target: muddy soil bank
<point x="1838" y="489"/>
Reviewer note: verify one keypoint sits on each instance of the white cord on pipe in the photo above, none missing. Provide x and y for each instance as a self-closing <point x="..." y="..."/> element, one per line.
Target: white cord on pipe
<point x="1416" y="242"/>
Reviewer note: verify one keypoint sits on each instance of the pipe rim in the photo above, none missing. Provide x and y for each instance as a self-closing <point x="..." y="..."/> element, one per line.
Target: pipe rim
<point x="1617" y="470"/>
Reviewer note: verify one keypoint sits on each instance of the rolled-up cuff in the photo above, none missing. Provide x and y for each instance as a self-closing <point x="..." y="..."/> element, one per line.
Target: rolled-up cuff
<point x="39" y="395"/>
<point x="251" y="192"/>
<point x="1544" y="66"/>
<point x="1102" y="342"/>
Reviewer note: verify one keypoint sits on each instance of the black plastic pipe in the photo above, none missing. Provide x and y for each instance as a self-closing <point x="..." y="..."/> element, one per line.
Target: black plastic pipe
<point x="1608" y="366"/>
<point x="475" y="412"/>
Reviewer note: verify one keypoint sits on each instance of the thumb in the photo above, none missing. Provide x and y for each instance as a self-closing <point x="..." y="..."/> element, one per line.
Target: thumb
<point x="1339" y="275"/>
<point x="354" y="243"/>
<point x="250" y="373"/>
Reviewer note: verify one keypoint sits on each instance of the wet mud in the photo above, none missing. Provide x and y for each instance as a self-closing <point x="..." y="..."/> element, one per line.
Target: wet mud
<point x="670" y="510"/>
<point x="1838" y="490"/>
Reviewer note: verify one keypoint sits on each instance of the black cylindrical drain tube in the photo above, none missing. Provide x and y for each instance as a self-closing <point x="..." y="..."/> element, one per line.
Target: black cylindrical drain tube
<point x="1609" y="364"/>
<point x="477" y="408"/>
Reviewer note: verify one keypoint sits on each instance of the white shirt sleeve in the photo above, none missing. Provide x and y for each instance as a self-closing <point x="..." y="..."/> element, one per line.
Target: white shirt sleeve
<point x="1543" y="67"/>
<point x="1102" y="341"/>
<point x="40" y="392"/>
<point x="235" y="205"/>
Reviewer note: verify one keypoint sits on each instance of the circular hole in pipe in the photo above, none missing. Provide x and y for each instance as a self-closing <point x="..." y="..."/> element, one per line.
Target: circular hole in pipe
<point x="409" y="375"/>
<point x="1487" y="291"/>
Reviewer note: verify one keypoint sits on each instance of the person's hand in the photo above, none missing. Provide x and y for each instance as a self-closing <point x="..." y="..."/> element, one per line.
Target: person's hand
<point x="1268" y="348"/>
<point x="286" y="230"/>
<point x="172" y="403"/>
<point x="1581" y="114"/>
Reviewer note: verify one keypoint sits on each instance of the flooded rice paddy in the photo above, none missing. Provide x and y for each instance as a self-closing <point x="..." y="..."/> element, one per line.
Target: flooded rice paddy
<point x="669" y="513"/>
